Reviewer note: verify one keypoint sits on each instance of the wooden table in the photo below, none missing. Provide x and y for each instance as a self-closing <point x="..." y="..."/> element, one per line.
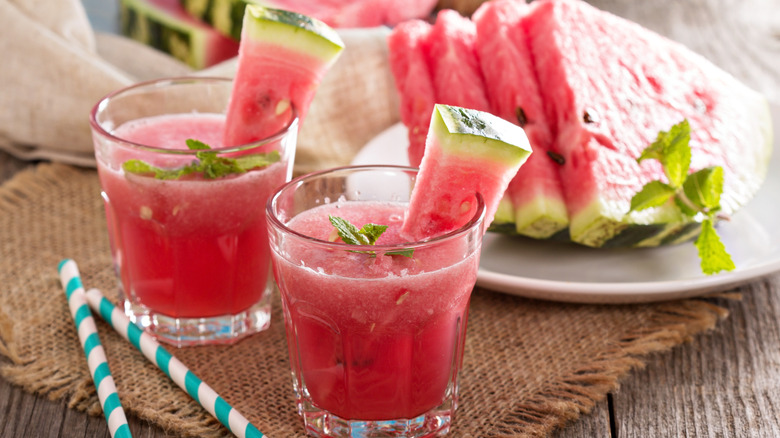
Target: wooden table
<point x="725" y="383"/>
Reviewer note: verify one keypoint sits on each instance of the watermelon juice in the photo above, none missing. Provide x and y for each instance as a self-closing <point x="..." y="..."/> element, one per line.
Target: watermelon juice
<point x="191" y="251"/>
<point x="375" y="338"/>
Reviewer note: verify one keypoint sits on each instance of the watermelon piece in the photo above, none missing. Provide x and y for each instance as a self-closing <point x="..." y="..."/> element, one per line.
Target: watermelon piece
<point x="535" y="203"/>
<point x="452" y="60"/>
<point x="413" y="80"/>
<point x="226" y="16"/>
<point x="610" y="86"/>
<point x="165" y="25"/>
<point x="595" y="91"/>
<point x="370" y="13"/>
<point x="466" y="152"/>
<point x="282" y="60"/>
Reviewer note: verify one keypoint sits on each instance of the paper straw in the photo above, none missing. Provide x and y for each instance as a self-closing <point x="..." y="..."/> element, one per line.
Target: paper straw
<point x="96" y="356"/>
<point x="172" y="367"/>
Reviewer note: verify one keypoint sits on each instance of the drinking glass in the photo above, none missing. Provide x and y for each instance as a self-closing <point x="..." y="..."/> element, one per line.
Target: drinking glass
<point x="375" y="332"/>
<point x="189" y="244"/>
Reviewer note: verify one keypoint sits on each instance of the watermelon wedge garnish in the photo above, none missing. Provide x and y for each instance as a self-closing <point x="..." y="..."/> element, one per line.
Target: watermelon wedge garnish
<point x="466" y="152"/>
<point x="282" y="59"/>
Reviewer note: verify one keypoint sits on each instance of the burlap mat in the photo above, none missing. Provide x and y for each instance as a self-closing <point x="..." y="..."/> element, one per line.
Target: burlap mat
<point x="529" y="366"/>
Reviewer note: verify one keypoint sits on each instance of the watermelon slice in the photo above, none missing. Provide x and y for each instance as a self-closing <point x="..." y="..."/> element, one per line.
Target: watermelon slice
<point x="610" y="86"/>
<point x="413" y="80"/>
<point x="457" y="78"/>
<point x="535" y="205"/>
<point x="595" y="90"/>
<point x="466" y="152"/>
<point x="282" y="60"/>
<point x="165" y="25"/>
<point x="226" y="16"/>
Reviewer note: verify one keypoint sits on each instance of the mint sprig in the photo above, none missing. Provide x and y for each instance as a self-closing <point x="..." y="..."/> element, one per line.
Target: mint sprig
<point x="367" y="235"/>
<point x="696" y="195"/>
<point x="208" y="164"/>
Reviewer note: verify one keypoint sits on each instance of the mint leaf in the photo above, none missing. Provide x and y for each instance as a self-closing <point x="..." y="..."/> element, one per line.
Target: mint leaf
<point x="193" y="144"/>
<point x="209" y="164"/>
<point x="704" y="187"/>
<point x="712" y="252"/>
<point x="349" y="233"/>
<point x="367" y="235"/>
<point x="696" y="195"/>
<point x="672" y="150"/>
<point x="653" y="194"/>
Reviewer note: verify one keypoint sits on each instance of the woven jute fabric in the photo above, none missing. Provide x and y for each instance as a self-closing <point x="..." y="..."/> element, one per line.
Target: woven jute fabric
<point x="530" y="366"/>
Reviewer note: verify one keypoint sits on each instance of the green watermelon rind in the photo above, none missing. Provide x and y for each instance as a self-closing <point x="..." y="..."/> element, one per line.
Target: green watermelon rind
<point x="607" y="226"/>
<point x="147" y="25"/>
<point x="225" y="16"/>
<point x="475" y="134"/>
<point x="294" y="31"/>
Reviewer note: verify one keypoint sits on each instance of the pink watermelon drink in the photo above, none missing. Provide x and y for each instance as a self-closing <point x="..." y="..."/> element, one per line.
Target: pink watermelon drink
<point x="376" y="321"/>
<point x="189" y="241"/>
<point x="373" y="335"/>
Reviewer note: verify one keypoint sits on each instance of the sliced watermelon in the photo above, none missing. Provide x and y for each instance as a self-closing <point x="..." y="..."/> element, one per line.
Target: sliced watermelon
<point x="452" y="60"/>
<point x="282" y="60"/>
<point x="165" y="25"/>
<point x="610" y="86"/>
<point x="535" y="196"/>
<point x="604" y="88"/>
<point x="413" y="80"/>
<point x="227" y="15"/>
<point x="467" y="152"/>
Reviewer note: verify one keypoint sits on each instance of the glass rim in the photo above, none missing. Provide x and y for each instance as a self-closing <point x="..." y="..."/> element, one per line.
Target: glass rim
<point x="474" y="221"/>
<point x="104" y="101"/>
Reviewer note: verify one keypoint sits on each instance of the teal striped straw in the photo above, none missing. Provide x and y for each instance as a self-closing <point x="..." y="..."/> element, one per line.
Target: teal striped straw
<point x="93" y="349"/>
<point x="172" y="367"/>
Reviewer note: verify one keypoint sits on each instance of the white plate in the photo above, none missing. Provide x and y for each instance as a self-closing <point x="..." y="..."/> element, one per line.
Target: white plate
<point x="573" y="273"/>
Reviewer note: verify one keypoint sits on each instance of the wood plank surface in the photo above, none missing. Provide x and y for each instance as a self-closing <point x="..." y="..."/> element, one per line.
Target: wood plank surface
<point x="725" y="383"/>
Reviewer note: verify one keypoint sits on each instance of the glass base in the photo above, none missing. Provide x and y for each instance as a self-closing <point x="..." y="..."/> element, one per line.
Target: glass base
<point x="434" y="423"/>
<point x="184" y="332"/>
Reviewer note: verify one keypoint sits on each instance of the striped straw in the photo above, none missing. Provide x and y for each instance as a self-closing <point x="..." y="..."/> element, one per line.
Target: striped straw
<point x="96" y="356"/>
<point x="172" y="367"/>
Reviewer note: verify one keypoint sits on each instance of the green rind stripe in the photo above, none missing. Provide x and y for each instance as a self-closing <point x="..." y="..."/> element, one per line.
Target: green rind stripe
<point x="294" y="31"/>
<point x="477" y="134"/>
<point x="159" y="29"/>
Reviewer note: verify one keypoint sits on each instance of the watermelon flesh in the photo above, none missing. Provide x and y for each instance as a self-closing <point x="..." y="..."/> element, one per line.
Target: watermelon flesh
<point x="467" y="152"/>
<point x="413" y="80"/>
<point x="282" y="59"/>
<point x="535" y="194"/>
<point x="609" y="104"/>
<point x="457" y="78"/>
<point x="166" y="26"/>
<point x="596" y="90"/>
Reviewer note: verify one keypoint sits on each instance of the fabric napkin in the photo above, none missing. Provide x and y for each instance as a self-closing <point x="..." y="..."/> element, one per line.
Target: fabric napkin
<point x="56" y="68"/>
